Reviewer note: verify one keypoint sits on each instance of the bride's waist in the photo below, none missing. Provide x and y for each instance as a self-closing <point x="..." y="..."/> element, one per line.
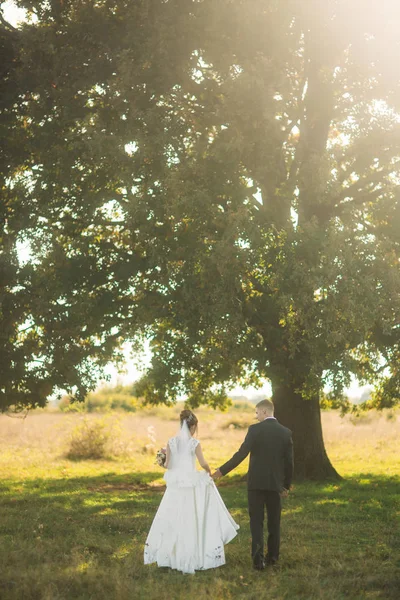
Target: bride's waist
<point x="183" y="478"/>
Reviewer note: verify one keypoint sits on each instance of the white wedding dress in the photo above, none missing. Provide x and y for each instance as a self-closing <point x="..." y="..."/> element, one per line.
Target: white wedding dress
<point x="192" y="523"/>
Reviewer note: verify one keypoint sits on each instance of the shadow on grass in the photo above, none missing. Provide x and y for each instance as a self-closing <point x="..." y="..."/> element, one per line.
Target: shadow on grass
<point x="142" y="480"/>
<point x="111" y="504"/>
<point x="381" y="493"/>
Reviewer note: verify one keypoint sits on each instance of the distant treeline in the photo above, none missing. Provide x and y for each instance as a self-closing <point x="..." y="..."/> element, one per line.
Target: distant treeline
<point x="123" y="398"/>
<point x="106" y="398"/>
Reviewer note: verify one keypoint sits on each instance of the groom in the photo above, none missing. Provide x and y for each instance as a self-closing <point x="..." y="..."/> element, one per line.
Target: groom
<point x="268" y="480"/>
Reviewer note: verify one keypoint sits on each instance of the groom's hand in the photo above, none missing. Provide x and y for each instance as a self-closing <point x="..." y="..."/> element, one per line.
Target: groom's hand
<point x="284" y="493"/>
<point x="217" y="474"/>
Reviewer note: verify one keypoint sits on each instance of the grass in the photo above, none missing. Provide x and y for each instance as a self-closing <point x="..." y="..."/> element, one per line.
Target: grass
<point x="76" y="529"/>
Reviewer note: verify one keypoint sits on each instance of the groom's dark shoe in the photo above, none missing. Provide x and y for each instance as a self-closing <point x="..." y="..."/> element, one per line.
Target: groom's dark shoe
<point x="270" y="561"/>
<point x="259" y="566"/>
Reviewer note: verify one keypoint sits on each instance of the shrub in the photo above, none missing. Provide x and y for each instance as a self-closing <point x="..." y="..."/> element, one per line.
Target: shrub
<point x="89" y="440"/>
<point x="362" y="418"/>
<point x="123" y="402"/>
<point x="111" y="398"/>
<point x="67" y="405"/>
<point x="64" y="403"/>
<point x="243" y="406"/>
<point x="104" y="399"/>
<point x="391" y="416"/>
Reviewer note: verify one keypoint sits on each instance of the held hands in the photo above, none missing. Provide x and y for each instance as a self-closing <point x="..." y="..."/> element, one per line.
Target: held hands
<point x="217" y="474"/>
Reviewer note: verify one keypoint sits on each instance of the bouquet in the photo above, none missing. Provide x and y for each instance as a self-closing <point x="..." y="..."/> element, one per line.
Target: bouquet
<point x="161" y="457"/>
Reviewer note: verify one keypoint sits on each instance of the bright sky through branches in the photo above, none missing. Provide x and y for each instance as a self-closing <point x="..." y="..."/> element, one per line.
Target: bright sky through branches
<point x="12" y="13"/>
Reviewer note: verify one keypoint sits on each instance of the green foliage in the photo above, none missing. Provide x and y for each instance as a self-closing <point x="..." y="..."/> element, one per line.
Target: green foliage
<point x="331" y="401"/>
<point x="387" y="392"/>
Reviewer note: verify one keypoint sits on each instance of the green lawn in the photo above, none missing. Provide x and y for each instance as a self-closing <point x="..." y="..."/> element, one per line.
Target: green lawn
<point x="76" y="531"/>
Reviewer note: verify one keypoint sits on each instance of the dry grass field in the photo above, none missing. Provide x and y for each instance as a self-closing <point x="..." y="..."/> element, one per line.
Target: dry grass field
<point x="368" y="443"/>
<point x="75" y="529"/>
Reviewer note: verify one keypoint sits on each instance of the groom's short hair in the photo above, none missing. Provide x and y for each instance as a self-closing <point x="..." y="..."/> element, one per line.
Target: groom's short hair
<point x="266" y="405"/>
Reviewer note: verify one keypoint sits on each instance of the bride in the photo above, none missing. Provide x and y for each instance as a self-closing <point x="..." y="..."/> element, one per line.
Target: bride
<point x="192" y="523"/>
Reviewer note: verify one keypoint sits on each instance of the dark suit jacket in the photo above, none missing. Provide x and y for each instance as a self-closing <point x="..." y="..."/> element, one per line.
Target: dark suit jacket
<point x="271" y="456"/>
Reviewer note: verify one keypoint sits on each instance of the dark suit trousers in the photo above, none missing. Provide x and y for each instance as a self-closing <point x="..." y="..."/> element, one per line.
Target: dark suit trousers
<point x="258" y="500"/>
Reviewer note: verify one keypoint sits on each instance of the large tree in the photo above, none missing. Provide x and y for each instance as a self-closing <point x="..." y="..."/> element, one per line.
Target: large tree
<point x="219" y="177"/>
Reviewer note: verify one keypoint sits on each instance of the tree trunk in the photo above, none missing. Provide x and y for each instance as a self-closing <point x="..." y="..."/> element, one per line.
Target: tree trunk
<point x="303" y="417"/>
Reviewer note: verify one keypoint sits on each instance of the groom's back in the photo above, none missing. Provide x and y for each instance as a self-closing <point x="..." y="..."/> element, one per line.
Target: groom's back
<point x="270" y="456"/>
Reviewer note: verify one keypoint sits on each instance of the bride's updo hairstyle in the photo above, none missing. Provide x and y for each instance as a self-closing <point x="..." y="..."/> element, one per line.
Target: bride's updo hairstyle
<point x="190" y="418"/>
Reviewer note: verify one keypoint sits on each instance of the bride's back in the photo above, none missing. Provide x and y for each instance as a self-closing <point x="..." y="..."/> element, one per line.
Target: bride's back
<point x="183" y="455"/>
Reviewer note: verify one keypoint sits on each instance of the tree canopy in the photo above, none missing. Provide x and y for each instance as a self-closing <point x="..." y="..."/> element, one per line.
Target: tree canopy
<point x="221" y="178"/>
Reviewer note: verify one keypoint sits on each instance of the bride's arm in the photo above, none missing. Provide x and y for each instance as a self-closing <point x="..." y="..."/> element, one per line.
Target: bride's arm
<point x="202" y="460"/>
<point x="167" y="456"/>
